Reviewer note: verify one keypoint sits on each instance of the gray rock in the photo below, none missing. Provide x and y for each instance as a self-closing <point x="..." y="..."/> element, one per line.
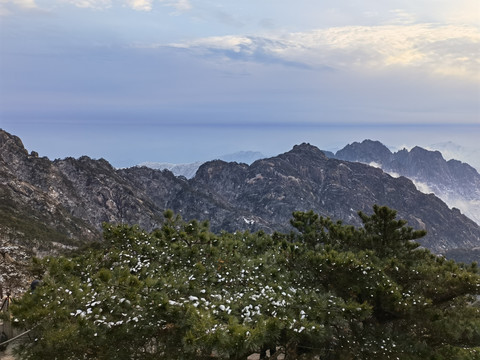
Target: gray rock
<point x="65" y="201"/>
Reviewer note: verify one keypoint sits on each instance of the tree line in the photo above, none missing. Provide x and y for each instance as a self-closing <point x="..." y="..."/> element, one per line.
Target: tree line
<point x="325" y="290"/>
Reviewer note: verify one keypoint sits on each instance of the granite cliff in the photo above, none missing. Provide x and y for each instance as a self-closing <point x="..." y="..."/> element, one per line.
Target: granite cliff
<point x="48" y="205"/>
<point x="456" y="183"/>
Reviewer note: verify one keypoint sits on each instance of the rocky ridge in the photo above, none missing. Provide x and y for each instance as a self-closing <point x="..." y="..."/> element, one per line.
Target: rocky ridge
<point x="189" y="170"/>
<point x="456" y="183"/>
<point x="49" y="204"/>
<point x="304" y="178"/>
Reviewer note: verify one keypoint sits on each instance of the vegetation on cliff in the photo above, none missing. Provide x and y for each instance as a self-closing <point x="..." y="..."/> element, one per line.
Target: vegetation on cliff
<point x="327" y="290"/>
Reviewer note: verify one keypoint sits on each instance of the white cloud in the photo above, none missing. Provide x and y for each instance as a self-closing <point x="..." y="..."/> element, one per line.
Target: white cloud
<point x="470" y="208"/>
<point x="92" y="4"/>
<point x="230" y="43"/>
<point x="423" y="187"/>
<point x="457" y="12"/>
<point x="179" y="5"/>
<point x="445" y="50"/>
<point x="393" y="174"/>
<point x="22" y="4"/>
<point x="450" y="150"/>
<point x="26" y="4"/>
<point x="140" y="5"/>
<point x="449" y="50"/>
<point x="375" y="165"/>
<point x="147" y="5"/>
<point x="402" y="17"/>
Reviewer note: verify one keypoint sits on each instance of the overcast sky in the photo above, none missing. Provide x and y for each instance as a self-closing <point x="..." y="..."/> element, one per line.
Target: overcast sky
<point x="186" y="80"/>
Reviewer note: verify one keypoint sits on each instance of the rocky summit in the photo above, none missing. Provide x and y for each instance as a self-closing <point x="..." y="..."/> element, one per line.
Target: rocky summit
<point x="456" y="183"/>
<point x="49" y="205"/>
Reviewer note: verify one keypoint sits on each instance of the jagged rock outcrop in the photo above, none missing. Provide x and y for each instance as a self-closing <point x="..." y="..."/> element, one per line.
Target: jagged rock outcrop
<point x="189" y="170"/>
<point x="31" y="210"/>
<point x="367" y="152"/>
<point x="456" y="183"/>
<point x="304" y="178"/>
<point x="69" y="199"/>
<point x="14" y="268"/>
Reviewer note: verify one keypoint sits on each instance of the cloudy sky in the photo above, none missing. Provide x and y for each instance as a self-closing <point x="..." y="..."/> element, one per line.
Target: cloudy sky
<point x="187" y="80"/>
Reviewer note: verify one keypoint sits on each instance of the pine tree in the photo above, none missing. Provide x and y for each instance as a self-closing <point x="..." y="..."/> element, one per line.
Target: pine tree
<point x="328" y="291"/>
<point x="386" y="235"/>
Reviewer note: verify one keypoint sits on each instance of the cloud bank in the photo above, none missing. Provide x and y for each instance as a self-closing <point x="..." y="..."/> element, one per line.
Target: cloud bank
<point x="438" y="50"/>
<point x="270" y="73"/>
<point x="6" y="6"/>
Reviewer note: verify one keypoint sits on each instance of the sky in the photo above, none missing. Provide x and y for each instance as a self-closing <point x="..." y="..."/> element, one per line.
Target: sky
<point x="180" y="81"/>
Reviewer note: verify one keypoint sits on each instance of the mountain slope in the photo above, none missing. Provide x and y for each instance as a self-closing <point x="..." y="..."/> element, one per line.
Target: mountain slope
<point x="457" y="183"/>
<point x="304" y="178"/>
<point x="31" y="212"/>
<point x="70" y="198"/>
<point x="451" y="150"/>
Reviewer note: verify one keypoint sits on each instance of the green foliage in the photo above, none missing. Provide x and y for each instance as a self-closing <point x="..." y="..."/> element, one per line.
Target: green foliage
<point x="328" y="291"/>
<point x="387" y="236"/>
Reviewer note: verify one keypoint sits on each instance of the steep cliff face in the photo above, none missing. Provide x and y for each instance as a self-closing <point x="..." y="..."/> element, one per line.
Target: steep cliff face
<point x="66" y="201"/>
<point x="31" y="193"/>
<point x="269" y="191"/>
<point x="456" y="183"/>
<point x="103" y="195"/>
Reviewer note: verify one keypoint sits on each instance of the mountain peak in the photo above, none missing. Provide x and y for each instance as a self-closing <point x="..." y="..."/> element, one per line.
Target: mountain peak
<point x="367" y="151"/>
<point x="11" y="142"/>
<point x="306" y="148"/>
<point x="457" y="183"/>
<point x="419" y="151"/>
<point x="304" y="145"/>
<point x="68" y="200"/>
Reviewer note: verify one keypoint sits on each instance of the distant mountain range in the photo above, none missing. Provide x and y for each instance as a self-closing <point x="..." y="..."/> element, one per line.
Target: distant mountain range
<point x="189" y="169"/>
<point x="450" y="150"/>
<point x="456" y="183"/>
<point x="49" y="204"/>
